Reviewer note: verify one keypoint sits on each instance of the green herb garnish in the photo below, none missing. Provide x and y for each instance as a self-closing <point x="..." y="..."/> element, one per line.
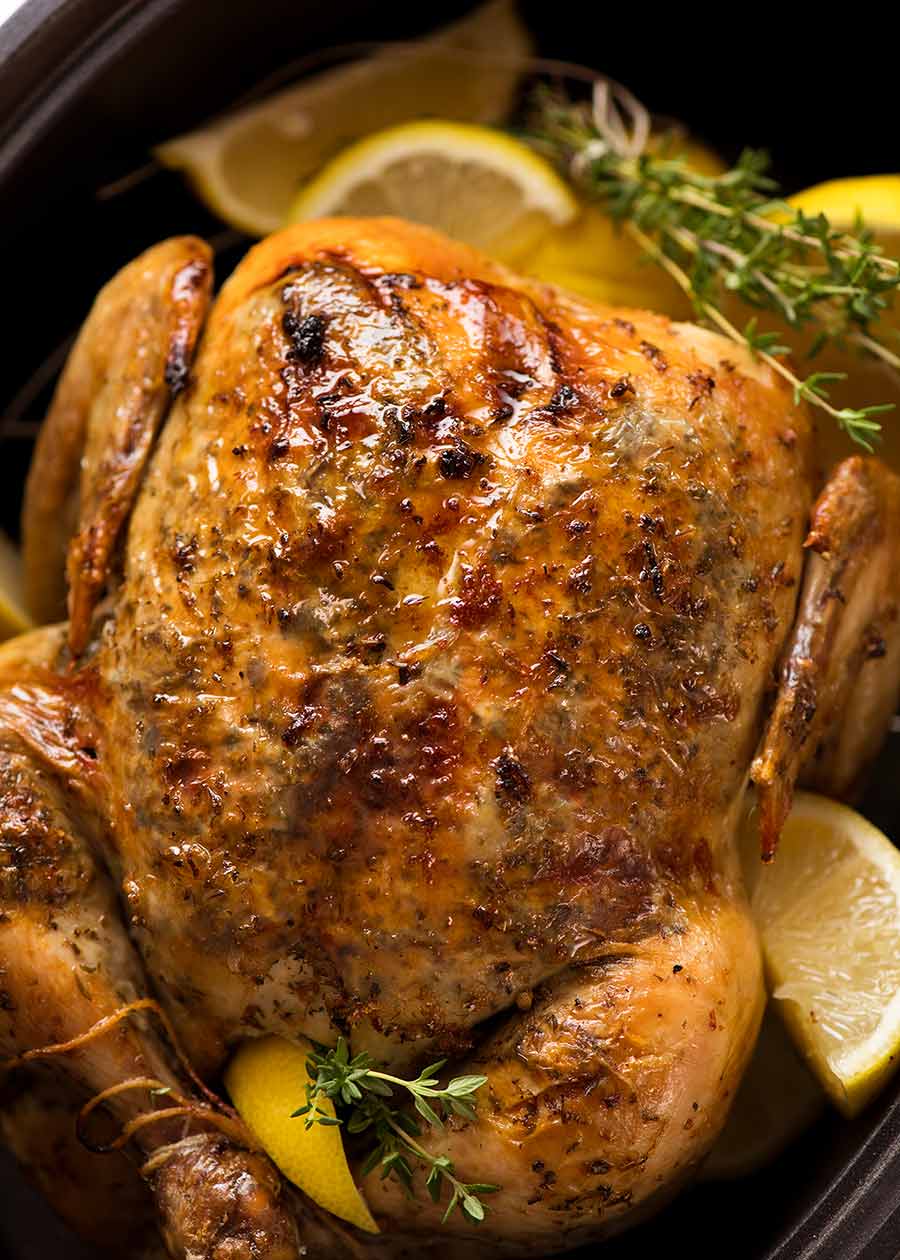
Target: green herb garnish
<point x="364" y="1095"/>
<point x="730" y="234"/>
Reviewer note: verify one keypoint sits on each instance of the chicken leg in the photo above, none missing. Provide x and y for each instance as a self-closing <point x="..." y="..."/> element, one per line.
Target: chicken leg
<point x="66" y="964"/>
<point x="604" y="1097"/>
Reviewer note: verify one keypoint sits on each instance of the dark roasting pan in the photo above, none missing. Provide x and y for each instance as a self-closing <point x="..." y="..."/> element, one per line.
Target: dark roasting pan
<point x="87" y="85"/>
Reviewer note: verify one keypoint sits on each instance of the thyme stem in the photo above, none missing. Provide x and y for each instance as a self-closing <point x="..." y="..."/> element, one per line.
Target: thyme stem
<point x="730" y="234"/>
<point x="363" y="1094"/>
<point x="801" y="388"/>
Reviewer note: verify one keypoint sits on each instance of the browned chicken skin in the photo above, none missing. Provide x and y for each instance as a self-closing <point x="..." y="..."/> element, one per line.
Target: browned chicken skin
<point x="413" y="681"/>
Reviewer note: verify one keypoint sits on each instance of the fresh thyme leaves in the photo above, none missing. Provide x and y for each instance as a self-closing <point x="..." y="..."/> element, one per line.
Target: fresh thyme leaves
<point x="718" y="235"/>
<point x="364" y="1095"/>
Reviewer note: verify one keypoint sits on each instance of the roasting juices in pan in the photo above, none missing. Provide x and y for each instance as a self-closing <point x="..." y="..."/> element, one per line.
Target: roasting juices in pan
<point x="453" y="641"/>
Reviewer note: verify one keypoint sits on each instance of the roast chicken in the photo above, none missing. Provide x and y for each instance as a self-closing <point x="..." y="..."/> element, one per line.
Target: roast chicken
<point x="418" y="629"/>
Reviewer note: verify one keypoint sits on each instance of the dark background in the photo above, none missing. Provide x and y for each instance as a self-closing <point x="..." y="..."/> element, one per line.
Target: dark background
<point x="87" y="87"/>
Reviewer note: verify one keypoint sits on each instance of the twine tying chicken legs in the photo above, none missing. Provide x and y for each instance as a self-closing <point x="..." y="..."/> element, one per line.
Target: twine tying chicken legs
<point x="214" y="1111"/>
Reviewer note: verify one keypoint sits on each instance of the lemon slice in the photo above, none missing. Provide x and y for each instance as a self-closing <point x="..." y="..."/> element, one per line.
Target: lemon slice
<point x="13" y="617"/>
<point x="266" y="1080"/>
<point x="777" y="1101"/>
<point x="476" y="184"/>
<point x="248" y="165"/>
<point x="593" y="257"/>
<point x="828" y="910"/>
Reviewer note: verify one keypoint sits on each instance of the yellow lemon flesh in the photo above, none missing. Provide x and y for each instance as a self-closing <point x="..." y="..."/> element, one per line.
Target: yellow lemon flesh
<point x="266" y="1080"/>
<point x="13" y="617"/>
<point x="474" y="183"/>
<point x="828" y="910"/>
<point x="248" y="165"/>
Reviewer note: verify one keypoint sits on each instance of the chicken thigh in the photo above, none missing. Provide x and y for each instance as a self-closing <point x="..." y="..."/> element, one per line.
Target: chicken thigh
<point x="412" y="682"/>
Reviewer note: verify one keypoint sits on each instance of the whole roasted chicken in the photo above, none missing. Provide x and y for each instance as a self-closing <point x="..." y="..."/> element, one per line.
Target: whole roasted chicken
<point x="423" y="626"/>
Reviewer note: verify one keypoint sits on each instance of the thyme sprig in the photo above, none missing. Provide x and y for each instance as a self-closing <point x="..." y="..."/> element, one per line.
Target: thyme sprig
<point x="364" y="1094"/>
<point x="718" y="235"/>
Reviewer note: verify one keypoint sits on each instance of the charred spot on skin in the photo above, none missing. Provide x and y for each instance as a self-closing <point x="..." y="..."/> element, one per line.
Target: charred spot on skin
<point x="459" y="461"/>
<point x="177" y="370"/>
<point x="484" y="916"/>
<point x="403" y="422"/>
<point x="652" y="572"/>
<point x="280" y="446"/>
<point x="651" y="524"/>
<point x="407" y="672"/>
<point x="401" y="280"/>
<point x="576" y="528"/>
<point x="512" y="781"/>
<point x="184" y="554"/>
<point x="188" y="282"/>
<point x="655" y="355"/>
<point x="702" y="384"/>
<point x="563" y="398"/>
<point x="306" y="335"/>
<point x="436" y="409"/>
<point x="559" y="665"/>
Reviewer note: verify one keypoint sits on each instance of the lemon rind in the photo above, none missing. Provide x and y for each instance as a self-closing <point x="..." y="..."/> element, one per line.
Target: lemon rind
<point x="852" y="1077"/>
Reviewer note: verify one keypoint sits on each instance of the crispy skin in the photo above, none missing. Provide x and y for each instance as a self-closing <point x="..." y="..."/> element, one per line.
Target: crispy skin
<point x="428" y="697"/>
<point x="132" y="357"/>
<point x="439" y="662"/>
<point x="448" y="608"/>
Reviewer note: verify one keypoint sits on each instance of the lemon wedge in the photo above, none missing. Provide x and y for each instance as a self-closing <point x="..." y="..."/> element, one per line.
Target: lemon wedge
<point x="593" y="257"/>
<point x="828" y="910"/>
<point x="248" y="165"/>
<point x="476" y="184"/>
<point x="13" y="617"/>
<point x="777" y="1101"/>
<point x="266" y="1080"/>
